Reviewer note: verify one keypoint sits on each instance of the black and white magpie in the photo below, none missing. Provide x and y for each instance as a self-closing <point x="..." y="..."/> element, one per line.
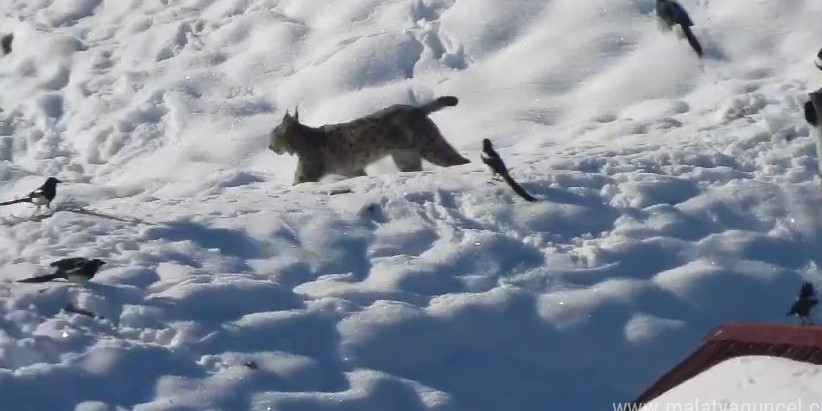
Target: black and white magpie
<point x="671" y="13"/>
<point x="810" y="111"/>
<point x="5" y="43"/>
<point x="810" y="114"/>
<point x="40" y="197"/>
<point x="73" y="269"/>
<point x="803" y="304"/>
<point x="492" y="159"/>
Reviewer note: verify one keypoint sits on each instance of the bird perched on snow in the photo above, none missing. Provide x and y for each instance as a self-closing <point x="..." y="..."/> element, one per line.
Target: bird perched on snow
<point x="810" y="114"/>
<point x="5" y="43"/>
<point x="73" y="269"/>
<point x="490" y="157"/>
<point x="810" y="111"/>
<point x="803" y="304"/>
<point x="671" y="13"/>
<point x="40" y="197"/>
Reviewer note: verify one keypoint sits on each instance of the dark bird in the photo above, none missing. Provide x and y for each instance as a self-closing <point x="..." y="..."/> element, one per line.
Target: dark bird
<point x="5" y="43"/>
<point x="671" y="13"/>
<point x="810" y="114"/>
<point x="803" y="304"/>
<point x="73" y="269"/>
<point x="490" y="157"/>
<point x="818" y="60"/>
<point x="71" y="308"/>
<point x="40" y="197"/>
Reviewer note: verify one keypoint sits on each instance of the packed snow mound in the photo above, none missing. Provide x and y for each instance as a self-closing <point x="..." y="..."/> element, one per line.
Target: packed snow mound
<point x="676" y="193"/>
<point x="748" y="383"/>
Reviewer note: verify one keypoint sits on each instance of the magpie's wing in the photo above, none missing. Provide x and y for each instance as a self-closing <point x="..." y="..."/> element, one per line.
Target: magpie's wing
<point x="665" y="11"/>
<point x="806" y="291"/>
<point x="69" y="263"/>
<point x="492" y="162"/>
<point x="681" y="15"/>
<point x="500" y="165"/>
<point x="36" y="193"/>
<point x="794" y="308"/>
<point x="88" y="269"/>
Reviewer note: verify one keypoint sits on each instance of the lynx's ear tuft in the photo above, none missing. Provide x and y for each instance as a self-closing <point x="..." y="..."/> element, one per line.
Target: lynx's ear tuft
<point x="289" y="119"/>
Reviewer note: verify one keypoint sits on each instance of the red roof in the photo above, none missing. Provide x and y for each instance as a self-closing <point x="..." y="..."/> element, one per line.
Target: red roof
<point x="800" y="343"/>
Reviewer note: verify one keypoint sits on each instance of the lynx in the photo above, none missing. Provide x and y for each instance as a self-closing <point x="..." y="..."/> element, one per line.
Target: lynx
<point x="402" y="131"/>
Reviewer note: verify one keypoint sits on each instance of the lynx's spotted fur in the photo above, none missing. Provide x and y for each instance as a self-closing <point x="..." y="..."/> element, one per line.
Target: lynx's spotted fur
<point x="404" y="132"/>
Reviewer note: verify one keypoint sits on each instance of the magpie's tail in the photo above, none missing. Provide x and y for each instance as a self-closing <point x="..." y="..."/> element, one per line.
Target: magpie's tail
<point x="40" y="279"/>
<point x="19" y="200"/>
<point x="692" y="40"/>
<point x="517" y="188"/>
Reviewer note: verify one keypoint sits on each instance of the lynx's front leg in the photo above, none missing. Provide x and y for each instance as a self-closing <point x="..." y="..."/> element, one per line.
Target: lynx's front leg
<point x="356" y="173"/>
<point x="407" y="160"/>
<point x="307" y="172"/>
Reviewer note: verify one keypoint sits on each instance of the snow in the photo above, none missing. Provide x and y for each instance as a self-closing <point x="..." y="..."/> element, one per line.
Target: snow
<point x="747" y="383"/>
<point x="677" y="193"/>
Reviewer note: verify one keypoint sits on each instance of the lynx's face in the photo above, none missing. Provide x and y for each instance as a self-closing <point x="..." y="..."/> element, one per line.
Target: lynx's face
<point x="280" y="135"/>
<point x="278" y="144"/>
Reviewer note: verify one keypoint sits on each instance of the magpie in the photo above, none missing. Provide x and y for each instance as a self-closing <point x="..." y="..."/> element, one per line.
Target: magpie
<point x="40" y="197"/>
<point x="5" y="43"/>
<point x="490" y="157"/>
<point x="671" y="13"/>
<point x="71" y="308"/>
<point x="803" y="304"/>
<point x="810" y="114"/>
<point x="810" y="111"/>
<point x="72" y="269"/>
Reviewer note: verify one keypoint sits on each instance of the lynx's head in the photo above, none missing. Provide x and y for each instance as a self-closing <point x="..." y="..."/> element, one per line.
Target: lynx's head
<point x="285" y="135"/>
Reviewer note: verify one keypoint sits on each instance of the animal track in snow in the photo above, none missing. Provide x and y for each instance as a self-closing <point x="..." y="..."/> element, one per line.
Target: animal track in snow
<point x="429" y="34"/>
<point x="742" y="106"/>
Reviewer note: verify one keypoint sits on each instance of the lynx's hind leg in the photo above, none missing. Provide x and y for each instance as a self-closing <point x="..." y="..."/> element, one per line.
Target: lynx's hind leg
<point x="436" y="150"/>
<point x="407" y="160"/>
<point x="440" y="153"/>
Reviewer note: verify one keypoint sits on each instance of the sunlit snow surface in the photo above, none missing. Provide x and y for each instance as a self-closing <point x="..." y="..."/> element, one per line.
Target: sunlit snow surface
<point x="678" y="193"/>
<point x="747" y="383"/>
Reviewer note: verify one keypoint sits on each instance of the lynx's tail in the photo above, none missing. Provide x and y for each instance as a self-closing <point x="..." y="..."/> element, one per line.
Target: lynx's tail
<point x="439" y="104"/>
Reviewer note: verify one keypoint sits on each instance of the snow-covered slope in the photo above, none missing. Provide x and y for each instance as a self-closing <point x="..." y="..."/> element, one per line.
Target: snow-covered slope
<point x="678" y="193"/>
<point x="748" y="383"/>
